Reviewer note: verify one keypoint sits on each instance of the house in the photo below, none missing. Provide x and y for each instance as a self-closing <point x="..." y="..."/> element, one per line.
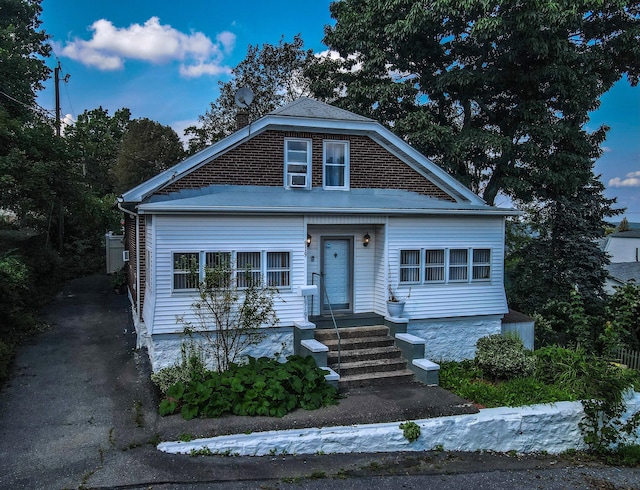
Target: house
<point x="315" y="195"/>
<point x="623" y="248"/>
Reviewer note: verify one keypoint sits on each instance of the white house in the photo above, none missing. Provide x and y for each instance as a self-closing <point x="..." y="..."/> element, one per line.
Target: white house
<point x="312" y="194"/>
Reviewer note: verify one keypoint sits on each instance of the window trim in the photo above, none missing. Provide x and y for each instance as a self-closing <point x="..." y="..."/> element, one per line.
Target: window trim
<point x="345" y="165"/>
<point x="308" y="163"/>
<point x="263" y="270"/>
<point x="469" y="267"/>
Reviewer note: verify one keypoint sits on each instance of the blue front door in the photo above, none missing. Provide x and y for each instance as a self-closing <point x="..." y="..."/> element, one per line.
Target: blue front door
<point x="337" y="274"/>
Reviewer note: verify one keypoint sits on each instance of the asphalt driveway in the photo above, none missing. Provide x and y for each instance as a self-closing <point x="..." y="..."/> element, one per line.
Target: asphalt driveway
<point x="80" y="412"/>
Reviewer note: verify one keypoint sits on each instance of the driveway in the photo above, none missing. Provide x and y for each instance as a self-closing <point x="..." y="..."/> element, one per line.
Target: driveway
<point x="80" y="412"/>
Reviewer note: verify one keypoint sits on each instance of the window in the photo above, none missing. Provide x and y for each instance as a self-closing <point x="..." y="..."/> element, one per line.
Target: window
<point x="482" y="264"/>
<point x="336" y="164"/>
<point x="278" y="269"/>
<point x="186" y="270"/>
<point x="248" y="268"/>
<point x="458" y="264"/>
<point x="434" y="266"/>
<point x="410" y="266"/>
<point x="297" y="163"/>
<point x="218" y="268"/>
<point x="445" y="265"/>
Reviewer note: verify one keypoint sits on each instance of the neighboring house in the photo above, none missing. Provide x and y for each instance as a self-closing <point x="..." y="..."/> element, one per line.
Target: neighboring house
<point x="623" y="248"/>
<point x="312" y="193"/>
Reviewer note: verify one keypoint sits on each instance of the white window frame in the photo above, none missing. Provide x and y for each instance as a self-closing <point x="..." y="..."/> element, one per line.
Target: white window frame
<point x="411" y="268"/>
<point x="470" y="267"/>
<point x="185" y="272"/>
<point x="288" y="164"/>
<point x="344" y="165"/>
<point x="262" y="270"/>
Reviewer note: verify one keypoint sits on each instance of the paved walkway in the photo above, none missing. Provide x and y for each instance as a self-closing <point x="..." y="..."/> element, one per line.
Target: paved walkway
<point x="80" y="412"/>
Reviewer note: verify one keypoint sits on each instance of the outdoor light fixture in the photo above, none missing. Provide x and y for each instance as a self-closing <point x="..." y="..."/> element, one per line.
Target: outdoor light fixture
<point x="365" y="240"/>
<point x="308" y="240"/>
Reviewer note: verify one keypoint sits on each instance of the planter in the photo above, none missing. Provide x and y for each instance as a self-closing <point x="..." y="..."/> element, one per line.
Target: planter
<point x="395" y="308"/>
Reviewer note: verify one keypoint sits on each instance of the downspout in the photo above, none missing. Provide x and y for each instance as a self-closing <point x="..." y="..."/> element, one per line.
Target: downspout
<point x="131" y="213"/>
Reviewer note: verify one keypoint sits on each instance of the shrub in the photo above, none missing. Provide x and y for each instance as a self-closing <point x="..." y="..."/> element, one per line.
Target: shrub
<point x="503" y="357"/>
<point x="191" y="367"/>
<point x="263" y="386"/>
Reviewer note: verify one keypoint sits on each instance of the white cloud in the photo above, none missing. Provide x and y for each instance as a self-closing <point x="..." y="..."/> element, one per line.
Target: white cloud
<point x="111" y="46"/>
<point x="632" y="179"/>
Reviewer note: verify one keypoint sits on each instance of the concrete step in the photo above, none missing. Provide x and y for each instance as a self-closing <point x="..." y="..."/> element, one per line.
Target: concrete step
<point x="352" y="355"/>
<point x="373" y="367"/>
<point x="362" y="380"/>
<point x="359" y="343"/>
<point x="351" y="332"/>
<point x="347" y="320"/>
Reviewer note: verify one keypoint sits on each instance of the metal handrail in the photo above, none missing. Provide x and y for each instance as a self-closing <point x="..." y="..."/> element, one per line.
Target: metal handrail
<point x="333" y="319"/>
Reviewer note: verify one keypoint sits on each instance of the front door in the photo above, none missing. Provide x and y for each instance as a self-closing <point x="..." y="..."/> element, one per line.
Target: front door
<point x="337" y="273"/>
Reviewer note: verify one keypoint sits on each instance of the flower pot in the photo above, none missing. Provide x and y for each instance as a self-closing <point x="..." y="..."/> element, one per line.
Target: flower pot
<point x="395" y="308"/>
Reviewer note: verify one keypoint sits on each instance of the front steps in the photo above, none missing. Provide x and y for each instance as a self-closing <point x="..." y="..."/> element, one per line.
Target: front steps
<point x="368" y="357"/>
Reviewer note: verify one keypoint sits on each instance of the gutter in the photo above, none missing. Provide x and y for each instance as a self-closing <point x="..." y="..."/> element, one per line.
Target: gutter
<point x="137" y="218"/>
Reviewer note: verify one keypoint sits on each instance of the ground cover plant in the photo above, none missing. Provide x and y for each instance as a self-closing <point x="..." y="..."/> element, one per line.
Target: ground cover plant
<point x="263" y="386"/>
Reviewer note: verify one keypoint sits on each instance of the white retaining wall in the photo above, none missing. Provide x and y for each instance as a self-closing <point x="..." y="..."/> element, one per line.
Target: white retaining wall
<point x="164" y="349"/>
<point x="453" y="339"/>
<point x="551" y="428"/>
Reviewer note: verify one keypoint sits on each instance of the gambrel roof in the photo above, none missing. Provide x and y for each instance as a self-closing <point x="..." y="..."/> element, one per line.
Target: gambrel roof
<point x="308" y="115"/>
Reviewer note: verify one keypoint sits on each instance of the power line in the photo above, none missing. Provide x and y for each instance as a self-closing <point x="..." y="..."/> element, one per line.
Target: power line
<point x="33" y="105"/>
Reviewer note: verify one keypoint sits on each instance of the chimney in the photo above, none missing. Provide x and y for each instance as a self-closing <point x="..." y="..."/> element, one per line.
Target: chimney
<point x="242" y="118"/>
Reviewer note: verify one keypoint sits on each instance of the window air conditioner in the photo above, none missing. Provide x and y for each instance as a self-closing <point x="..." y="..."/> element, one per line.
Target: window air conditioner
<point x="297" y="180"/>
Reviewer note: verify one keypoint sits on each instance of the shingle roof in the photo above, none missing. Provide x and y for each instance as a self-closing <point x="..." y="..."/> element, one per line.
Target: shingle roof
<point x="626" y="234"/>
<point x="306" y="107"/>
<point x="625" y="271"/>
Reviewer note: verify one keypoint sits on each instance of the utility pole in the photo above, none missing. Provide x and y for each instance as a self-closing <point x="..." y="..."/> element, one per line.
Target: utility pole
<point x="56" y="78"/>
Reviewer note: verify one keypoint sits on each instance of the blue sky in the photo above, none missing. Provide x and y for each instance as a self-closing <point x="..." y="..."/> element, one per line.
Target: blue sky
<point x="163" y="60"/>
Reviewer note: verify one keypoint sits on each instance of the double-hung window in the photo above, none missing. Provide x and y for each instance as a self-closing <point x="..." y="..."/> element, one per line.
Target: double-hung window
<point x="248" y="268"/>
<point x="297" y="163"/>
<point x="278" y="269"/>
<point x="336" y="164"/>
<point x="218" y="268"/>
<point x="445" y="265"/>
<point x="186" y="270"/>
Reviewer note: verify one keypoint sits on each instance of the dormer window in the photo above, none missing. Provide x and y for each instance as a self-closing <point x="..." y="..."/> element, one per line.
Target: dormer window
<point x="336" y="164"/>
<point x="297" y="163"/>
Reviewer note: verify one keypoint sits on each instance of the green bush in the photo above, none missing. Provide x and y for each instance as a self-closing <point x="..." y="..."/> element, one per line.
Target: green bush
<point x="191" y="367"/>
<point x="263" y="386"/>
<point x="503" y="357"/>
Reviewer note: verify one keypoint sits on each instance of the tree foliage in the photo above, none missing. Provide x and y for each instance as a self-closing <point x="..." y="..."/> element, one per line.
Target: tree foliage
<point x="95" y="140"/>
<point x="147" y="149"/>
<point x="497" y="92"/>
<point x="275" y="75"/>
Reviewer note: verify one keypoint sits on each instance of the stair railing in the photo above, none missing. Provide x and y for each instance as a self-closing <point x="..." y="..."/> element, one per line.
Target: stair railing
<point x="323" y="291"/>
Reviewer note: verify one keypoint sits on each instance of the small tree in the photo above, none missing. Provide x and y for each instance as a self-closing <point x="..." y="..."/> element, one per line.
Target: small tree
<point x="231" y="309"/>
<point x="624" y="225"/>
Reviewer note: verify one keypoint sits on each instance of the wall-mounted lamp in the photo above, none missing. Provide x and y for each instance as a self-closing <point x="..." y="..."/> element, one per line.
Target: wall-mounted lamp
<point x="308" y="240"/>
<point x="365" y="240"/>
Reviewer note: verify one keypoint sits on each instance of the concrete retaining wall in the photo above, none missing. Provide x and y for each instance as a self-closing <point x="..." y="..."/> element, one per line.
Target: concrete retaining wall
<point x="453" y="339"/>
<point x="551" y="428"/>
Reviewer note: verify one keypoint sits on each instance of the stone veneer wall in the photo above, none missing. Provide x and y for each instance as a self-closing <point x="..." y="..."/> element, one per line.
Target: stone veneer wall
<point x="164" y="349"/>
<point x="453" y="339"/>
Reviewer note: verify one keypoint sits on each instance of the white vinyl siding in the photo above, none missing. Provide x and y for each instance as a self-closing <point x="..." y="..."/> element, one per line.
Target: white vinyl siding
<point x="203" y="234"/>
<point x="435" y="296"/>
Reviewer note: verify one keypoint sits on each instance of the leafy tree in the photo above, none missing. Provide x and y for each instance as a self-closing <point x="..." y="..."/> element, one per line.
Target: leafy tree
<point x="147" y="149"/>
<point x="275" y="74"/>
<point x="624" y="225"/>
<point x="231" y="310"/>
<point x="22" y="50"/>
<point x="624" y="312"/>
<point x="95" y="141"/>
<point x="498" y="93"/>
<point x="492" y="90"/>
